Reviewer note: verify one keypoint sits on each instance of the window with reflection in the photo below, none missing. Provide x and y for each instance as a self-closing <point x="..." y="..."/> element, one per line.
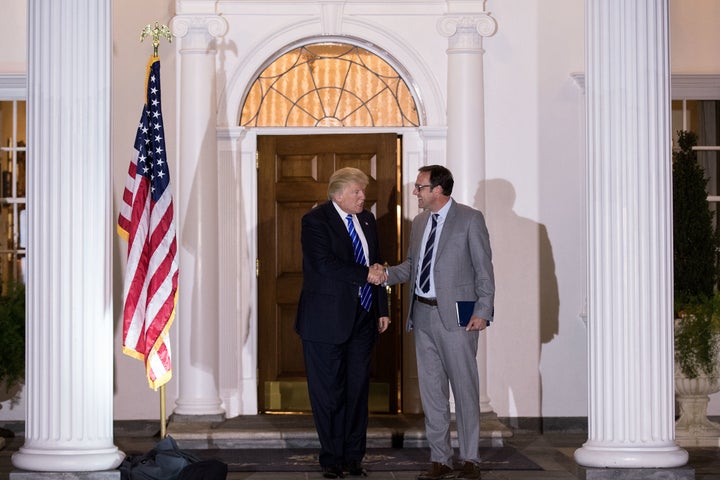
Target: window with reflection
<point x="703" y="118"/>
<point x="13" y="213"/>
<point x="329" y="85"/>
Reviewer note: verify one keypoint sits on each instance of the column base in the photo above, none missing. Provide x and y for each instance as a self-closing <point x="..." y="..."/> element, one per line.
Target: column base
<point x="25" y="475"/>
<point x="493" y="431"/>
<point x="184" y="418"/>
<point x="199" y="407"/>
<point x="683" y="473"/>
<point x="626" y="457"/>
<point x="35" y="460"/>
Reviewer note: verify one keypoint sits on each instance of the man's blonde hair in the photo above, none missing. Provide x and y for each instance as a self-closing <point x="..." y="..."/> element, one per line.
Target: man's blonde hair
<point x="343" y="177"/>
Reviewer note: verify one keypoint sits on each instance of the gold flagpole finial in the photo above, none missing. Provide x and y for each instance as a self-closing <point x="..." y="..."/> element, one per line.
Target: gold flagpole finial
<point x="156" y="31"/>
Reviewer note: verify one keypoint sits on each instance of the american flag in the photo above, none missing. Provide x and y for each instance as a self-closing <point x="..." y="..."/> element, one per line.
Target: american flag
<point x="146" y="222"/>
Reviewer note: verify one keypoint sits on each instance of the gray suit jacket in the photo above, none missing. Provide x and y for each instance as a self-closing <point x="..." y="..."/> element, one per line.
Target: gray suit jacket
<point x="463" y="267"/>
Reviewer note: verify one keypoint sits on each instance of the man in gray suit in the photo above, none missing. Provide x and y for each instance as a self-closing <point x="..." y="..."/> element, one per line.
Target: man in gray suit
<point x="449" y="260"/>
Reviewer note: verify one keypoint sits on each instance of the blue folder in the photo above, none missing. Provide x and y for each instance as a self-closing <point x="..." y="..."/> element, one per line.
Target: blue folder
<point x="465" y="310"/>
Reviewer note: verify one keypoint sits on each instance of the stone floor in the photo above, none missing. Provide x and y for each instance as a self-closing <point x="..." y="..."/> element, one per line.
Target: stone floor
<point x="551" y="450"/>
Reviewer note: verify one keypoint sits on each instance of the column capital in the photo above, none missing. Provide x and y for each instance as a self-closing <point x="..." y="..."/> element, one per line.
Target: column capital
<point x="191" y="25"/>
<point x="466" y="30"/>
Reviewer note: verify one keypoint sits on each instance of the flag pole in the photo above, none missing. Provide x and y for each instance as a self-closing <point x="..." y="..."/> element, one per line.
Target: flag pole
<point x="163" y="423"/>
<point x="156" y="31"/>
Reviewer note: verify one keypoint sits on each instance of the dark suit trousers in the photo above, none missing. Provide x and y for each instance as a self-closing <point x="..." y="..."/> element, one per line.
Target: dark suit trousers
<point x="338" y="378"/>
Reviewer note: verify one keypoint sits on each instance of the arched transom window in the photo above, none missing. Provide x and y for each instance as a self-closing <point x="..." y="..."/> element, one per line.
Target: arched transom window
<point x="329" y="85"/>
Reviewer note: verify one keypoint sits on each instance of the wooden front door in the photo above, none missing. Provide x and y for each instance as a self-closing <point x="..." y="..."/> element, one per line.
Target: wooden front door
<point x="293" y="172"/>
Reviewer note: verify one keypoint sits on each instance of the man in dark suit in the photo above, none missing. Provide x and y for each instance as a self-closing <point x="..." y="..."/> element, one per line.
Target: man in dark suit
<point x="449" y="260"/>
<point x="339" y="316"/>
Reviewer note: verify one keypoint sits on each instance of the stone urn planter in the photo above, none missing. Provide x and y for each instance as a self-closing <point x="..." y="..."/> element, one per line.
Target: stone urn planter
<point x="693" y="428"/>
<point x="697" y="370"/>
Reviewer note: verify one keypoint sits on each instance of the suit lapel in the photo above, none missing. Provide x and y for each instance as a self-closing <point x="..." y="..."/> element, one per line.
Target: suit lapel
<point x="448" y="225"/>
<point x="338" y="225"/>
<point x="422" y="219"/>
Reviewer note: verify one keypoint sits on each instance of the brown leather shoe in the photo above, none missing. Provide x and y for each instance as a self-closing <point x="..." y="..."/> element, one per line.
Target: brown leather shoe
<point x="438" y="471"/>
<point x="469" y="471"/>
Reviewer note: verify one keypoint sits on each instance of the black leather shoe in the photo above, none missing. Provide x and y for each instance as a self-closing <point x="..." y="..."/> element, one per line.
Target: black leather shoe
<point x="356" y="469"/>
<point x="333" y="471"/>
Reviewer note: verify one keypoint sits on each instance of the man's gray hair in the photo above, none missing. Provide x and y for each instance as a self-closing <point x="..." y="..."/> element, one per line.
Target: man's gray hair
<point x="343" y="177"/>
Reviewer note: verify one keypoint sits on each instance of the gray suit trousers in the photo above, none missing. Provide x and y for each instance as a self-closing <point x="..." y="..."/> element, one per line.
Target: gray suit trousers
<point x="447" y="356"/>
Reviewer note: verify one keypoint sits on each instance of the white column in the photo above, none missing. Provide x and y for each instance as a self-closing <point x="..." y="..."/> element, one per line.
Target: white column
<point x="466" y="126"/>
<point x="465" y="100"/>
<point x="197" y="352"/>
<point x="69" y="370"/>
<point x="630" y="316"/>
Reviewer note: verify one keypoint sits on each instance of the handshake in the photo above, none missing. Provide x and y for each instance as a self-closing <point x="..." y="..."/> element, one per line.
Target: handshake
<point x="377" y="274"/>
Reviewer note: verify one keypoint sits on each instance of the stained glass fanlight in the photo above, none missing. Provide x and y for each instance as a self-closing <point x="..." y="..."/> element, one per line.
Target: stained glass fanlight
<point x="329" y="85"/>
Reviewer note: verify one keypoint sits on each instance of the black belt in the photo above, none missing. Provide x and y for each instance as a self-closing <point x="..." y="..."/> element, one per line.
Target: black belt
<point x="427" y="301"/>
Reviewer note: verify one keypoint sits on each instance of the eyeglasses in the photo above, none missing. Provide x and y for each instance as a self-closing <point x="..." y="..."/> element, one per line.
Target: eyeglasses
<point x="420" y="187"/>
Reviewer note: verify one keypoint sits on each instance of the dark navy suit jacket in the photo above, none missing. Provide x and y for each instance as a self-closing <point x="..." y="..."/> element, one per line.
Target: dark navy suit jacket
<point x="331" y="278"/>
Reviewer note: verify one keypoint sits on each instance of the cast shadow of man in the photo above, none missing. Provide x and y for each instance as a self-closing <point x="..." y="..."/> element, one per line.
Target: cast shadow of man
<point x="526" y="301"/>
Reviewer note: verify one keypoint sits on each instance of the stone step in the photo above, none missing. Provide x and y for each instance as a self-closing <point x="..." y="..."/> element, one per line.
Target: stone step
<point x="298" y="431"/>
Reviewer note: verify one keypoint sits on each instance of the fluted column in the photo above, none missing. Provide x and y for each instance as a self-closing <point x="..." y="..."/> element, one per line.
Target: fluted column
<point x="630" y="316"/>
<point x="197" y="353"/>
<point x="69" y="338"/>
<point x="466" y="99"/>
<point x="466" y="126"/>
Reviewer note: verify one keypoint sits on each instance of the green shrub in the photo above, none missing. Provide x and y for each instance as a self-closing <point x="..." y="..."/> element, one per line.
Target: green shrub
<point x="697" y="335"/>
<point x="12" y="334"/>
<point x="694" y="244"/>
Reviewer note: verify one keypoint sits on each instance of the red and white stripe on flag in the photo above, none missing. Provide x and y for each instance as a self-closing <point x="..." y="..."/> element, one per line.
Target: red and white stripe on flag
<point x="146" y="222"/>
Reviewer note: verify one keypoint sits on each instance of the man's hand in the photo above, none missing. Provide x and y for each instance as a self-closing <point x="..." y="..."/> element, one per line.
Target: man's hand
<point x="383" y="324"/>
<point x="476" y="323"/>
<point x="377" y="275"/>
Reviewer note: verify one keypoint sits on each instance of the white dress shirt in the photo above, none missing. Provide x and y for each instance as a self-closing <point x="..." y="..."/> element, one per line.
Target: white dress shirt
<point x="442" y="214"/>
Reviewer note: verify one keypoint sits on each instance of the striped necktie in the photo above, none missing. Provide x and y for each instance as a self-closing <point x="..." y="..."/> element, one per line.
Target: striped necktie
<point x="427" y="258"/>
<point x="365" y="291"/>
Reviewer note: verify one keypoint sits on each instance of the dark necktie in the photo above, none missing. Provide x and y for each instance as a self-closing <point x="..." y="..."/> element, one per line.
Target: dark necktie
<point x="365" y="291"/>
<point x="427" y="259"/>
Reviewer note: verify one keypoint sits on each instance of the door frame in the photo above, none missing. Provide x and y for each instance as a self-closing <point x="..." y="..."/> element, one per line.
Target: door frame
<point x="238" y="250"/>
<point x="281" y="202"/>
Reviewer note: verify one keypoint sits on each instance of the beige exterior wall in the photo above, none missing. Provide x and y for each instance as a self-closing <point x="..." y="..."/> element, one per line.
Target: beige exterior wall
<point x="535" y="169"/>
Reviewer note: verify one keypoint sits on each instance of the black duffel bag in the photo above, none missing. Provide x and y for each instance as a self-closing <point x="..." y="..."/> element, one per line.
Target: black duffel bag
<point x="167" y="462"/>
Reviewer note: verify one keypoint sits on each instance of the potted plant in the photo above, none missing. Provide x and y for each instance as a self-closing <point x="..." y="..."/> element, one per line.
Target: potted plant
<point x="697" y="336"/>
<point x="12" y="344"/>
<point x="697" y="303"/>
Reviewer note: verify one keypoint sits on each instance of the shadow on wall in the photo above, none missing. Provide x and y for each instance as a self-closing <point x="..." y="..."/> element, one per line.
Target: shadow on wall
<point x="526" y="302"/>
